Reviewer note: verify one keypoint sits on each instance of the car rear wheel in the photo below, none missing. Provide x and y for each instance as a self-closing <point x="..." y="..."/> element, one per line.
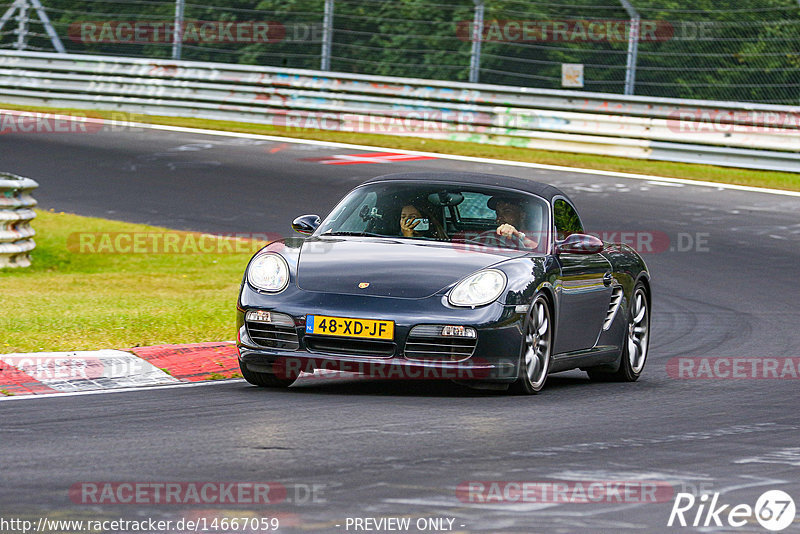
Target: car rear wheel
<point x="636" y="343"/>
<point x="536" y="349"/>
<point x="267" y="380"/>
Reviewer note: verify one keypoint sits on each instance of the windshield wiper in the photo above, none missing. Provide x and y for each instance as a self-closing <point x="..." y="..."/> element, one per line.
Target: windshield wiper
<point x="359" y="234"/>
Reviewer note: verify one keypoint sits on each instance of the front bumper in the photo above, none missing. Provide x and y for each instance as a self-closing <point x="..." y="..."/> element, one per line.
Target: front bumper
<point x="495" y="358"/>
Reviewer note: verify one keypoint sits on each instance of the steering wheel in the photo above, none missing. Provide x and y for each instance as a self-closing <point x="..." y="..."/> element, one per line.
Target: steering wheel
<point x="491" y="239"/>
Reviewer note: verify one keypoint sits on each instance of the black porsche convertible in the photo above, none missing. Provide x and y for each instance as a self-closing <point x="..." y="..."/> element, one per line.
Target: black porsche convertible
<point x="487" y="280"/>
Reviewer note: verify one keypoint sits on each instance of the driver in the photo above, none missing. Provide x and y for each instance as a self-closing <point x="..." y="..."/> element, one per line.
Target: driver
<point x="510" y="217"/>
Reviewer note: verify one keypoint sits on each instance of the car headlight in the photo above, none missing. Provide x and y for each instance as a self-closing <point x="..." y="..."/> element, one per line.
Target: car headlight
<point x="268" y="272"/>
<point x="478" y="288"/>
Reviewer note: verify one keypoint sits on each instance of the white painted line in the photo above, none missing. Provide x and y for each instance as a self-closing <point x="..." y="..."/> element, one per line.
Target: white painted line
<point x="120" y="390"/>
<point x="664" y="184"/>
<point x="471" y="159"/>
<point x="788" y="456"/>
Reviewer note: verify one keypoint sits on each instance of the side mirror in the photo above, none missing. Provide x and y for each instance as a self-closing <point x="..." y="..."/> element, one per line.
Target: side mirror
<point x="580" y="244"/>
<point x="306" y="224"/>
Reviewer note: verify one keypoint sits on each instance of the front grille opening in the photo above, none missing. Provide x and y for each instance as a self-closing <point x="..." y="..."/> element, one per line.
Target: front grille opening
<point x="350" y="346"/>
<point x="273" y="336"/>
<point x="421" y="345"/>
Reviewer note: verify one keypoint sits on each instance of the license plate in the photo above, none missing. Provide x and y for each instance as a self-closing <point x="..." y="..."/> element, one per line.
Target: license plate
<point x="324" y="325"/>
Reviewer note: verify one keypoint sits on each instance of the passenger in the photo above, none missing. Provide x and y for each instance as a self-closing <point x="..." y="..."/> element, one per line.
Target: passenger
<point x="509" y="218"/>
<point x="412" y="216"/>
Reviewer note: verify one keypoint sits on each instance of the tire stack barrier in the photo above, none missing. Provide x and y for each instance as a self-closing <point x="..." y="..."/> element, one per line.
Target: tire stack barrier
<point x="16" y="213"/>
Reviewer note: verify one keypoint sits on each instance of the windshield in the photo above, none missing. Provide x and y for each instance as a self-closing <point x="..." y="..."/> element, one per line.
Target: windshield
<point x="457" y="213"/>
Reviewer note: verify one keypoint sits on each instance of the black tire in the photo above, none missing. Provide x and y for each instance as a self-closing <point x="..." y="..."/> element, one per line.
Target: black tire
<point x="265" y="380"/>
<point x="637" y="338"/>
<point x="536" y="351"/>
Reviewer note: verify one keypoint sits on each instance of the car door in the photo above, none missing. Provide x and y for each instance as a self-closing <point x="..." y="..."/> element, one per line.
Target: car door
<point x="584" y="286"/>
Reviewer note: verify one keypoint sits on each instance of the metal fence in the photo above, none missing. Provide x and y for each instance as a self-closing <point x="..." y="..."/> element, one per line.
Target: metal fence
<point x="15" y="215"/>
<point x="738" y="50"/>
<point x="760" y="136"/>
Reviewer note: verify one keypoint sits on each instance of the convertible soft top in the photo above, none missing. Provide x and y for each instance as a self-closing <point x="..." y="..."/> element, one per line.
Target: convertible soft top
<point x="474" y="178"/>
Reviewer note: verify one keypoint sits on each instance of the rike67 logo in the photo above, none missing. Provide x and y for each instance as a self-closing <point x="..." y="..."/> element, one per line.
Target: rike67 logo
<point x="774" y="510"/>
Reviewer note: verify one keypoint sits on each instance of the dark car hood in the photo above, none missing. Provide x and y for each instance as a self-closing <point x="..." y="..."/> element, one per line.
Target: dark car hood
<point x="391" y="267"/>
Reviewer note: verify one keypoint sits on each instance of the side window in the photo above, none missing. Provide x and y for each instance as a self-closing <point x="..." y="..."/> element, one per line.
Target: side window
<point x="474" y="207"/>
<point x="354" y="221"/>
<point x="566" y="220"/>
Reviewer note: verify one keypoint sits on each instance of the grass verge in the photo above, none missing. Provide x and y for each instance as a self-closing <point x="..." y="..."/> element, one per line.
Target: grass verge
<point x="710" y="173"/>
<point x="73" y="300"/>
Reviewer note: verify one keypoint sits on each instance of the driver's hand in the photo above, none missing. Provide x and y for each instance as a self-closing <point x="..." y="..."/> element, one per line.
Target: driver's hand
<point x="407" y="226"/>
<point x="506" y="230"/>
<point x="509" y="232"/>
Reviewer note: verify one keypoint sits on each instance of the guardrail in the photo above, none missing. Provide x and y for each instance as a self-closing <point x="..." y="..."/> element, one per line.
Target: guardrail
<point x="15" y="217"/>
<point x="734" y="134"/>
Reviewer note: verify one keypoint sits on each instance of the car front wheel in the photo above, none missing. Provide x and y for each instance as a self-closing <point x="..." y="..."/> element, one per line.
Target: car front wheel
<point x="635" y="344"/>
<point x="536" y="349"/>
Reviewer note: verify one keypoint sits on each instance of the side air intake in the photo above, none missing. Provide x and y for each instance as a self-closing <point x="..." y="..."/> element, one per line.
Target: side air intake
<point x="613" y="307"/>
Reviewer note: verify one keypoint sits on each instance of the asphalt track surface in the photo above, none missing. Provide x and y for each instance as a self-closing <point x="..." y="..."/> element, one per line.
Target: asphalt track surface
<point x="399" y="449"/>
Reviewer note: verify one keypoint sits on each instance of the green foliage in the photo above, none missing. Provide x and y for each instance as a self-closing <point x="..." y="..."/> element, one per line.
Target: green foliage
<point x="711" y="49"/>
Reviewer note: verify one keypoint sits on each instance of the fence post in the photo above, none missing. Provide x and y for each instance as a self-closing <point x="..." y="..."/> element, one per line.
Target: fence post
<point x="22" y="25"/>
<point x="15" y="216"/>
<point x="48" y="26"/>
<point x="177" y="32"/>
<point x="327" y="35"/>
<point x="477" y="38"/>
<point x="633" y="47"/>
